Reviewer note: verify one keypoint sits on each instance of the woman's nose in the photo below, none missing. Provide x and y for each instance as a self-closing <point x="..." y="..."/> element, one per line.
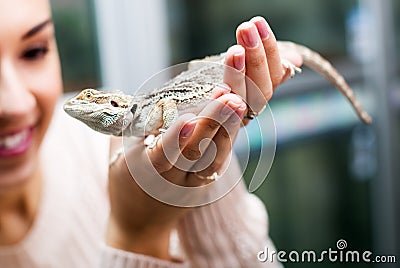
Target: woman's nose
<point x="16" y="98"/>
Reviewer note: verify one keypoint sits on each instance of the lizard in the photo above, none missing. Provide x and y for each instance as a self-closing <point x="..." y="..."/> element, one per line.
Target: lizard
<point x="148" y="115"/>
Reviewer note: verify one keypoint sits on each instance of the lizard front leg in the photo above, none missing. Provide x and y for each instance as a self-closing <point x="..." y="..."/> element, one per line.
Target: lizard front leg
<point x="293" y="69"/>
<point x="160" y="118"/>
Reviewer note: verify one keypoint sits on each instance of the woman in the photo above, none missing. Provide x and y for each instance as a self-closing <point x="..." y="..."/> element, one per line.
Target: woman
<point x="54" y="207"/>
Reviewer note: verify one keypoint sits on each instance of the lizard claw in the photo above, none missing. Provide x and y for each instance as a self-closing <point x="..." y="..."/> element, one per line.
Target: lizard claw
<point x="291" y="67"/>
<point x="151" y="141"/>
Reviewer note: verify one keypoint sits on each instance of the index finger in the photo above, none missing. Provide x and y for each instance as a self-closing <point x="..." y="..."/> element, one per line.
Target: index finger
<point x="259" y="85"/>
<point x="271" y="50"/>
<point x="168" y="148"/>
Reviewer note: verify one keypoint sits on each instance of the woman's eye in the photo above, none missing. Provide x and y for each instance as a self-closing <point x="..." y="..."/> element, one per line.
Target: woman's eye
<point x="35" y="53"/>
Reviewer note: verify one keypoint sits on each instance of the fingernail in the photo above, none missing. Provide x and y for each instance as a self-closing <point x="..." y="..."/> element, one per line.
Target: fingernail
<point x="237" y="117"/>
<point x="262" y="27"/>
<point x="250" y="37"/>
<point x="187" y="130"/>
<point x="241" y="110"/>
<point x="238" y="61"/>
<point x="227" y="110"/>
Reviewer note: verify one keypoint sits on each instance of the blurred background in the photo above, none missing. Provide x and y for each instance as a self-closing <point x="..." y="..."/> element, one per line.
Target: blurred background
<point x="332" y="178"/>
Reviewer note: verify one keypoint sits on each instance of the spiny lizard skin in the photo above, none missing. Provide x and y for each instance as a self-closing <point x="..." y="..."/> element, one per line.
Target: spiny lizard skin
<point x="119" y="114"/>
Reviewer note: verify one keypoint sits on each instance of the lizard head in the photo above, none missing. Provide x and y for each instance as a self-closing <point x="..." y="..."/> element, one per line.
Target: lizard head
<point x="106" y="112"/>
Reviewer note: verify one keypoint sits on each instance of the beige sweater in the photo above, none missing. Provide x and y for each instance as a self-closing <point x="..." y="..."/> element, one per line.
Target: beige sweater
<point x="69" y="229"/>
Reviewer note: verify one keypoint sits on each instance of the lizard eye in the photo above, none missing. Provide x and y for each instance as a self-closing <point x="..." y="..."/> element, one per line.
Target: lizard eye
<point x="88" y="94"/>
<point x="114" y="104"/>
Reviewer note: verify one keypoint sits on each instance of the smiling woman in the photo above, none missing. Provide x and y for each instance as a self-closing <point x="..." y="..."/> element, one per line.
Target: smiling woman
<point x="54" y="173"/>
<point x="30" y="84"/>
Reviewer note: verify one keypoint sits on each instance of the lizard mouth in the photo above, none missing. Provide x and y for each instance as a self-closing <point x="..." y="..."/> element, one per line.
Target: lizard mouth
<point x="73" y="107"/>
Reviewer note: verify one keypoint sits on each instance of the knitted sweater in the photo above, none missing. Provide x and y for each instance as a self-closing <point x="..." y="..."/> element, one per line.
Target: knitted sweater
<point x="69" y="229"/>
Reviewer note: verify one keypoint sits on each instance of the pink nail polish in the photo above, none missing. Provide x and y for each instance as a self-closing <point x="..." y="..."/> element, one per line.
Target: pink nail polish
<point x="240" y="111"/>
<point x="226" y="110"/>
<point x="239" y="114"/>
<point x="263" y="28"/>
<point x="250" y="37"/>
<point x="187" y="130"/>
<point x="239" y="61"/>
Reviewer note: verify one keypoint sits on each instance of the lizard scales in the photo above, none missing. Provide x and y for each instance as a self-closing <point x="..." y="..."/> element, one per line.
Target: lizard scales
<point x="141" y="115"/>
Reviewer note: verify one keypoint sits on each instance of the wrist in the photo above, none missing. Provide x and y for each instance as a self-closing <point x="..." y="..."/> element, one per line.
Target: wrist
<point x="149" y="241"/>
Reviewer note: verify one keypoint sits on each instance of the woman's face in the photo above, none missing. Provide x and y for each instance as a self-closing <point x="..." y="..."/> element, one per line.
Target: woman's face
<point x="30" y="84"/>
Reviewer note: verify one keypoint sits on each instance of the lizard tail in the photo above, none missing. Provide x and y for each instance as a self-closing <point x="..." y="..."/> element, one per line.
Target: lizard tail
<point x="319" y="64"/>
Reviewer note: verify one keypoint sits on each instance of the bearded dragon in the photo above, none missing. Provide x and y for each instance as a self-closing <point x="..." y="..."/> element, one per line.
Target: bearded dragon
<point x="142" y="115"/>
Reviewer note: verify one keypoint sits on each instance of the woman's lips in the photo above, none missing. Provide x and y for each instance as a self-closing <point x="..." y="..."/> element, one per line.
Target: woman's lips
<point x="16" y="143"/>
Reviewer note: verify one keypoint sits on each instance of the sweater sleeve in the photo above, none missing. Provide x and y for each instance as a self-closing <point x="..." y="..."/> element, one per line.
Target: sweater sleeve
<point x="227" y="233"/>
<point x="116" y="258"/>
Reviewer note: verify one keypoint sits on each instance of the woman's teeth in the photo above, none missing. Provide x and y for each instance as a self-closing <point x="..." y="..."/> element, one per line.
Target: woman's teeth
<point x="14" y="140"/>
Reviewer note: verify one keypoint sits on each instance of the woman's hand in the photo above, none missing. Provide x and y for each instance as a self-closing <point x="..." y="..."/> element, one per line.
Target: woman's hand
<point x="257" y="56"/>
<point x="140" y="223"/>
